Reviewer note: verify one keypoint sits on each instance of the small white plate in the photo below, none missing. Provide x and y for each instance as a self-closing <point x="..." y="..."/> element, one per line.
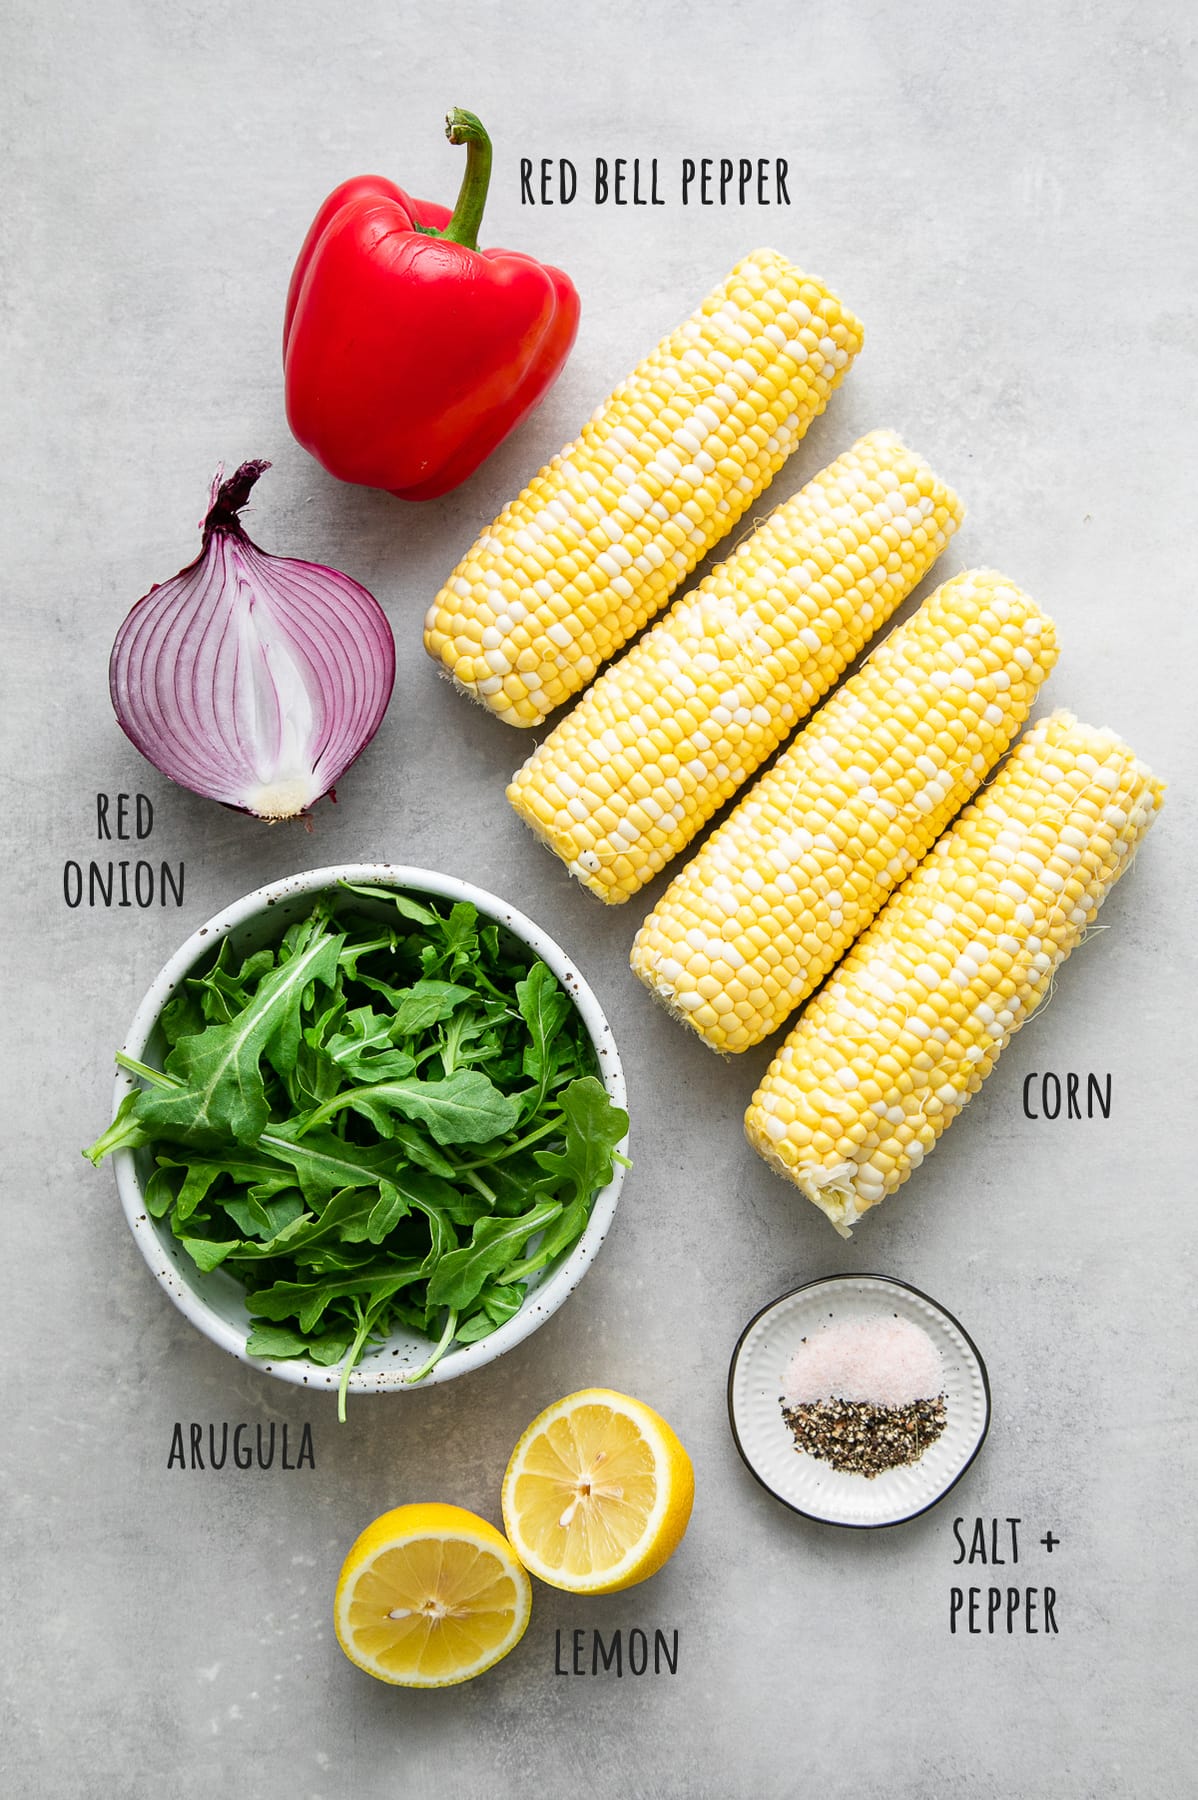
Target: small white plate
<point x="815" y="1488"/>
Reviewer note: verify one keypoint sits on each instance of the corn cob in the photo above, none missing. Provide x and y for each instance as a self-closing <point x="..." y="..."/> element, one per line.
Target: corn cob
<point x="775" y="897"/>
<point x="661" y="740"/>
<point x="599" y="540"/>
<point x="917" y="1015"/>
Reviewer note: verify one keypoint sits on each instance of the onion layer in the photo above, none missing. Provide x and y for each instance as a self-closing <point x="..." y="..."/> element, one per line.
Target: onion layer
<point x="252" y="679"/>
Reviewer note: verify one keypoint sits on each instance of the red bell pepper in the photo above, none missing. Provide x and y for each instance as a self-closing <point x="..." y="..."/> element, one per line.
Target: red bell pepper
<point x="409" y="353"/>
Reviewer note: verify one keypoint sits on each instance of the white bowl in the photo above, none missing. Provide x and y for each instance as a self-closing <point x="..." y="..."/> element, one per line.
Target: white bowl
<point x="215" y="1302"/>
<point x="813" y="1488"/>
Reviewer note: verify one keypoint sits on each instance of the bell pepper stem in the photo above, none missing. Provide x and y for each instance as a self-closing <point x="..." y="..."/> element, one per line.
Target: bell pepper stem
<point x="463" y="128"/>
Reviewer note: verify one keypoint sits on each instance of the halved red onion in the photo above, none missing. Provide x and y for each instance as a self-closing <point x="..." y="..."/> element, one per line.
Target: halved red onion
<point x="252" y="679"/>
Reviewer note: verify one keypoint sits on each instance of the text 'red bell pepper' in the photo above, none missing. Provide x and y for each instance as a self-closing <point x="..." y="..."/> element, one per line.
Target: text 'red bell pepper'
<point x="409" y="353"/>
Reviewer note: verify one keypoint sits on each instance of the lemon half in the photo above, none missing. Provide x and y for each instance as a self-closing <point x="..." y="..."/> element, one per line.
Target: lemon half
<point x="598" y="1493"/>
<point x="430" y="1595"/>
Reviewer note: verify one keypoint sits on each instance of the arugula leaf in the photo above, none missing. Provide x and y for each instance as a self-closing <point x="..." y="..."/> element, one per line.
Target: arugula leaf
<point x="220" y="1081"/>
<point x="390" y="1207"/>
<point x="494" y="1243"/>
<point x="544" y="1009"/>
<point x="364" y="1051"/>
<point x="180" y="1017"/>
<point x="307" y="1301"/>
<point x="199" y="1178"/>
<point x="496" y="1305"/>
<point x="243" y="1167"/>
<point x="329" y="1348"/>
<point x="345" y="1220"/>
<point x="279" y="1341"/>
<point x="426" y="1003"/>
<point x="443" y="1238"/>
<point x="265" y="1220"/>
<point x="221" y="992"/>
<point x="565" y="1230"/>
<point x="322" y="1164"/>
<point x="206" y="1254"/>
<point x="465" y="1108"/>
<point x="418" y="1150"/>
<point x="404" y="904"/>
<point x="160" y="1192"/>
<point x="125" y="1133"/>
<point x="594" y="1128"/>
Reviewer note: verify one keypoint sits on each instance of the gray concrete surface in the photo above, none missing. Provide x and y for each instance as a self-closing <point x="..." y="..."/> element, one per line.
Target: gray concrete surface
<point x="1004" y="194"/>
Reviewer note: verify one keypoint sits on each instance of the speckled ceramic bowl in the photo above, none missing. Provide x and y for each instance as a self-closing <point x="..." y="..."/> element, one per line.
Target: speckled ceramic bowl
<point x="215" y="1302"/>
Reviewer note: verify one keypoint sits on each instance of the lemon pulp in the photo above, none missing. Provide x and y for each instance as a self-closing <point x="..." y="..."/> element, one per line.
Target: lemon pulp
<point x="429" y="1596"/>
<point x="598" y="1493"/>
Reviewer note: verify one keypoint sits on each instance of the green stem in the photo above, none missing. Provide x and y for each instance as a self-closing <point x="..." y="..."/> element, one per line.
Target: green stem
<point x="530" y="1137"/>
<point x="358" y="951"/>
<point x="463" y="128"/>
<point x="154" y="1076"/>
<point x="352" y="1355"/>
<point x="443" y="1343"/>
<point x="324" y="1113"/>
<point x="520" y="1271"/>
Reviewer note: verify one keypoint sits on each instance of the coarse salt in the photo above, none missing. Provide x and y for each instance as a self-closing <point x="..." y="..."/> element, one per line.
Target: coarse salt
<point x="880" y="1359"/>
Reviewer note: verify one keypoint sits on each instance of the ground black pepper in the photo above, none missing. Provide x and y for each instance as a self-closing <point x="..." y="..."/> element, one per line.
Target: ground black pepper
<point x="859" y="1438"/>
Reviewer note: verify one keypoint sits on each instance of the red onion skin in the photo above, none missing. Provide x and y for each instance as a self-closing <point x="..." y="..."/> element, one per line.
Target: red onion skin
<point x="251" y="679"/>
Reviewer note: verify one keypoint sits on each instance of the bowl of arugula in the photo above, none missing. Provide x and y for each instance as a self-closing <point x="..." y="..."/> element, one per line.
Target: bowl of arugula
<point x="369" y="1128"/>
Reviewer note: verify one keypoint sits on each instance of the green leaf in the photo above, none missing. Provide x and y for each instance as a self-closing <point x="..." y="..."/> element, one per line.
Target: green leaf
<point x="352" y="953"/>
<point x="467" y="1038"/>
<point x="223" y="992"/>
<point x="478" y="1325"/>
<point x="256" y="1218"/>
<point x="345" y="1220"/>
<point x="501" y="1303"/>
<point x="207" y="1255"/>
<point x="465" y="1108"/>
<point x="452" y="946"/>
<point x="403" y="903"/>
<point x="493" y="1245"/>
<point x="160" y="1192"/>
<point x="594" y="1129"/>
<point x="221" y="1086"/>
<point x="196" y="1183"/>
<point x="465" y="1206"/>
<point x="323" y="1164"/>
<point x="252" y="1250"/>
<point x="442" y="1237"/>
<point x="365" y="1050"/>
<point x="180" y="1017"/>
<point x="329" y="1350"/>
<point x="544" y="1009"/>
<point x="564" y="1231"/>
<point x="388" y="1210"/>
<point x="308" y="1300"/>
<point x="243" y="1167"/>
<point x="427" y="1003"/>
<point x="278" y="1341"/>
<point x="125" y="1133"/>
<point x="417" y="1148"/>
